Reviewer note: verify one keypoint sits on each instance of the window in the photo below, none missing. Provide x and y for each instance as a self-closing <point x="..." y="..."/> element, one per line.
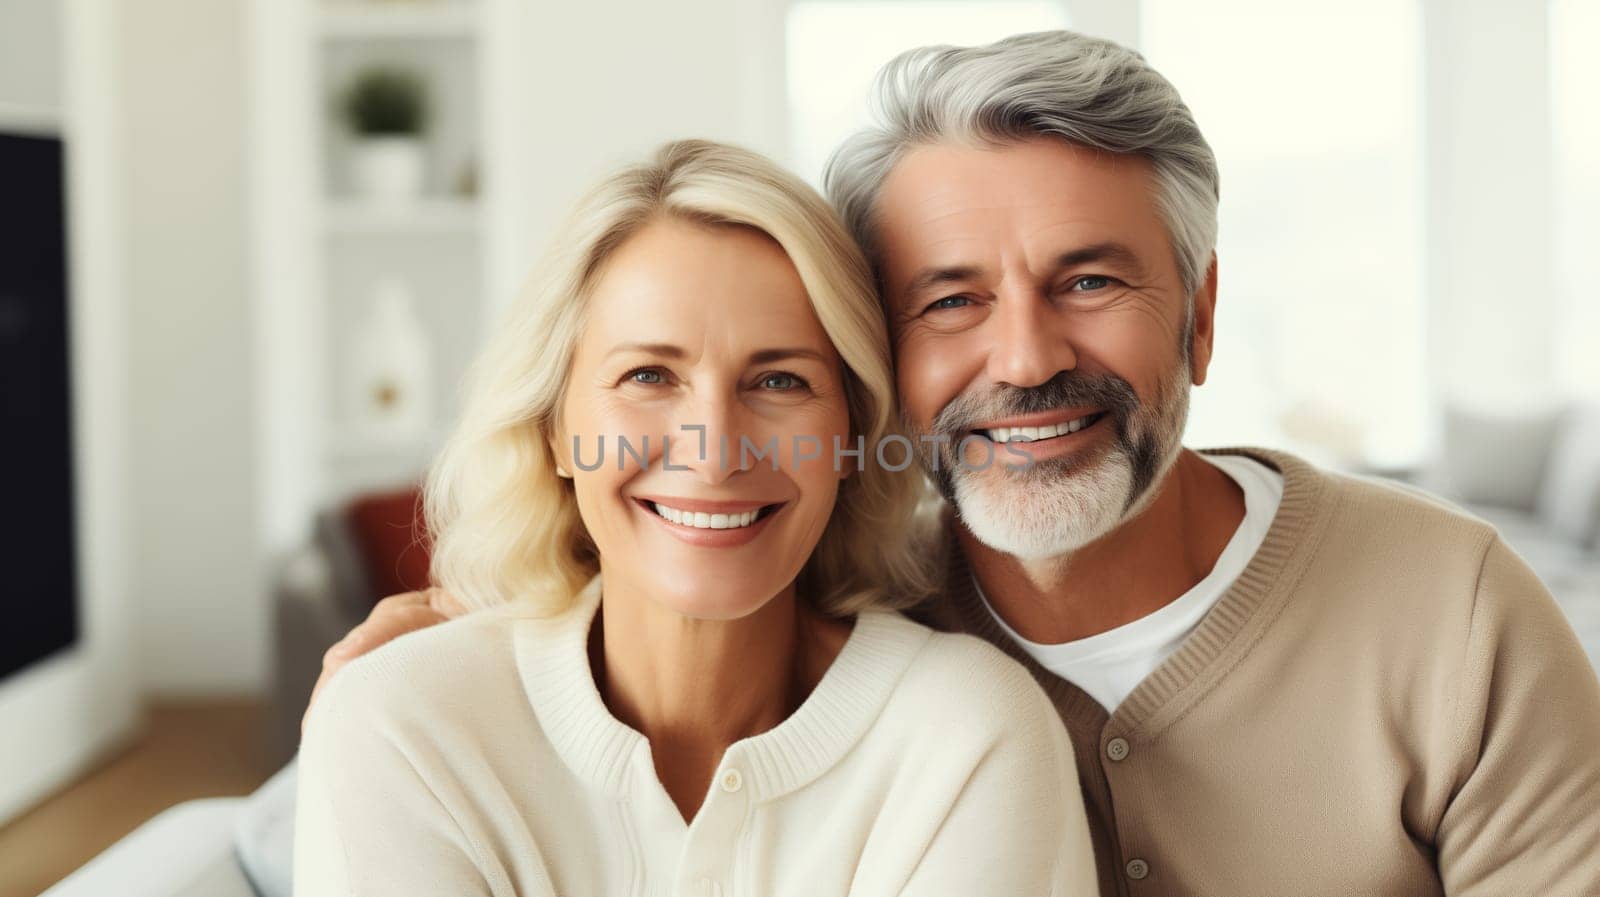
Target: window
<point x="1321" y="307"/>
<point x="1574" y="97"/>
<point x="1322" y="312"/>
<point x="836" y="46"/>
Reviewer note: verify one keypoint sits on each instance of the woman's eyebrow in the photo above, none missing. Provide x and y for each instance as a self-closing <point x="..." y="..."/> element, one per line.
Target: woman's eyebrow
<point x="667" y="350"/>
<point x="760" y="356"/>
<point x="767" y="356"/>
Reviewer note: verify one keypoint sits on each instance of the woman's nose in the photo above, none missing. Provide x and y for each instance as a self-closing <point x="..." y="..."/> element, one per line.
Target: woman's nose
<point x="708" y="441"/>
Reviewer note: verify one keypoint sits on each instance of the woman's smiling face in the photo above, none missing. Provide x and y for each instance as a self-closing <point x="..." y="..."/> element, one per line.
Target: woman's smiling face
<point x="693" y="326"/>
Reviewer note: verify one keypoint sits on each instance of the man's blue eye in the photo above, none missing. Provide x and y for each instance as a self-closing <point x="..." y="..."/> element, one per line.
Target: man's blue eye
<point x="950" y="302"/>
<point x="1091" y="283"/>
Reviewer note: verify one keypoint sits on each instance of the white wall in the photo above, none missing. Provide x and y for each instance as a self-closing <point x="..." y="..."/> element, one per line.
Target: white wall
<point x="59" y="716"/>
<point x="709" y="69"/>
<point x="30" y="55"/>
<point x="1116" y="20"/>
<point x="1492" y="313"/>
<point x="197" y="564"/>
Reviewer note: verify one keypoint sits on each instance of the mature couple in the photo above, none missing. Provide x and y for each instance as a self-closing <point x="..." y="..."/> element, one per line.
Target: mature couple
<point x="1222" y="673"/>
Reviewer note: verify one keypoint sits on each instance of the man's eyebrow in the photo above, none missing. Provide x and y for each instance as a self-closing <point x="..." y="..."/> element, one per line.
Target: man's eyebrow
<point x="1111" y="253"/>
<point x="1115" y="254"/>
<point x="933" y="276"/>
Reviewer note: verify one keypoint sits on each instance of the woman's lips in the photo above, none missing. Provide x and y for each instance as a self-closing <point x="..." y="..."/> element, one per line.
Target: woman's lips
<point x="710" y="524"/>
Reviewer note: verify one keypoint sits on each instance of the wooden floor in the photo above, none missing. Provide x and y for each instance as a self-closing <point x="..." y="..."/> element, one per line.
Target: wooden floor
<point x="187" y="750"/>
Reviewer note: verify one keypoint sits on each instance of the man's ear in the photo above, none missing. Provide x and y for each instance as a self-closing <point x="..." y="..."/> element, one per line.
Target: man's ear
<point x="1202" y="336"/>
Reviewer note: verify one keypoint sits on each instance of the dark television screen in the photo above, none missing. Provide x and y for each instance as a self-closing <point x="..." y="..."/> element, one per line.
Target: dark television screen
<point x="37" y="537"/>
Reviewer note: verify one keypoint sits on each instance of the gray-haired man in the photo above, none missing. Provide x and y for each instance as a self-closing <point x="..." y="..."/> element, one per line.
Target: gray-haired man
<point x="1278" y="680"/>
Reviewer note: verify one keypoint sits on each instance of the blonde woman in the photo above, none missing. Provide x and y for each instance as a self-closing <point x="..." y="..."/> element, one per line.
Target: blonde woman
<point x="686" y="676"/>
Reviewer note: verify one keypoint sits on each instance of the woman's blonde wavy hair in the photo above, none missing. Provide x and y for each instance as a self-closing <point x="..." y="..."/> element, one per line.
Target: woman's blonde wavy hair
<point x="506" y="528"/>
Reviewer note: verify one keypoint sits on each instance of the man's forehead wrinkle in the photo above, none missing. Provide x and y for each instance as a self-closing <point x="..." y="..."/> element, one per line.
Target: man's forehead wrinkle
<point x="939" y="204"/>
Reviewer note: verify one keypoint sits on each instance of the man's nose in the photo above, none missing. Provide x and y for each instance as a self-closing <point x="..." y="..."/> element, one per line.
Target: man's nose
<point x="1029" y="343"/>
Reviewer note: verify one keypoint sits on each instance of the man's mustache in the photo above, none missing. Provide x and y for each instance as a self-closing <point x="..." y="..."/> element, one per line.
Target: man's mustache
<point x="1067" y="389"/>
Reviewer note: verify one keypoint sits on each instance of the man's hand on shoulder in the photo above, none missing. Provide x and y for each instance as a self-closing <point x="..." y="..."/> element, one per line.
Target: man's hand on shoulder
<point x="391" y="618"/>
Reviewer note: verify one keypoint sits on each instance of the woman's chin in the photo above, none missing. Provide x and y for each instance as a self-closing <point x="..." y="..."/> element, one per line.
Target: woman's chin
<point x="716" y="601"/>
<point x="707" y="592"/>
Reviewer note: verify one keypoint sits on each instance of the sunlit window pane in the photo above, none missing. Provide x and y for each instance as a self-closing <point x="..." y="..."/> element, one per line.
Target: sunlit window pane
<point x="1314" y="111"/>
<point x="836" y="46"/>
<point x="1575" y="118"/>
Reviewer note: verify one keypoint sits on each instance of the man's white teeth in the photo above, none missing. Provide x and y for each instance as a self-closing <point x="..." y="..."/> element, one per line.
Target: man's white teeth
<point x="1031" y="434"/>
<point x="702" y="520"/>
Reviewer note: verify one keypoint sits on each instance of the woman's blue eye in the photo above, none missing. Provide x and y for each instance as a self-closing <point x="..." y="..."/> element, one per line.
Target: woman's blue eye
<point x="648" y="375"/>
<point x="781" y="381"/>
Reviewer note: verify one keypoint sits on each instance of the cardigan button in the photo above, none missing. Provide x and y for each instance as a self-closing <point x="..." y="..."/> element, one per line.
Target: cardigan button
<point x="1117" y="749"/>
<point x="732" y="781"/>
<point x="1138" y="869"/>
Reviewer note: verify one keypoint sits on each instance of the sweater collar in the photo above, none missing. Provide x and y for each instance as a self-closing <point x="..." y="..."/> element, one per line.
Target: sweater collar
<point x="553" y="661"/>
<point x="1216" y="644"/>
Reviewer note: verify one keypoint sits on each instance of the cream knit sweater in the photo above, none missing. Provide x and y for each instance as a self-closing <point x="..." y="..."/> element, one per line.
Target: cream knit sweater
<point x="477" y="757"/>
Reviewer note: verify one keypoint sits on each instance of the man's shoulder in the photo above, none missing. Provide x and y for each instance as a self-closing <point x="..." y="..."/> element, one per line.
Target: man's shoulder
<point x="1407" y="521"/>
<point x="1386" y="558"/>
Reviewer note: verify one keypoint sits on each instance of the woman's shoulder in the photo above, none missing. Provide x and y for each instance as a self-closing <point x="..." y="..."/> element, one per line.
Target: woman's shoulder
<point x="960" y="677"/>
<point x="442" y="671"/>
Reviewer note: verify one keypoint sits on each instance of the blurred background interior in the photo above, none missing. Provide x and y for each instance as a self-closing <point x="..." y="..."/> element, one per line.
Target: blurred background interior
<point x="247" y="248"/>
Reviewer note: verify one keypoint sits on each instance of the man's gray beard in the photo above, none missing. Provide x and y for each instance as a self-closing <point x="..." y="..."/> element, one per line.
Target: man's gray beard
<point x="1056" y="506"/>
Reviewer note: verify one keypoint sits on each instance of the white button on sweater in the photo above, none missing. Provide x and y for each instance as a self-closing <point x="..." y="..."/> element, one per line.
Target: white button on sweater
<point x="477" y="757"/>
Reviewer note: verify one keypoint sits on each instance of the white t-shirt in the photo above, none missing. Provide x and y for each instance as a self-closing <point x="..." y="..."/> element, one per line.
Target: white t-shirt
<point x="1110" y="665"/>
<point x="477" y="757"/>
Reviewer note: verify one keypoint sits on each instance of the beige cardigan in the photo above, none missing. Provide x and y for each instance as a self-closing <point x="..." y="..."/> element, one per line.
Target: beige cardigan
<point x="1386" y="702"/>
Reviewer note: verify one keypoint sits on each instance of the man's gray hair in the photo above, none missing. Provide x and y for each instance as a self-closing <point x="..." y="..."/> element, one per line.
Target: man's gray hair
<point x="1083" y="89"/>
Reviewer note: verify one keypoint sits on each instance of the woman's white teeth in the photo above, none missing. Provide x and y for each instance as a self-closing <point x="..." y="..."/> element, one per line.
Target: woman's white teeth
<point x="702" y="520"/>
<point x="1031" y="434"/>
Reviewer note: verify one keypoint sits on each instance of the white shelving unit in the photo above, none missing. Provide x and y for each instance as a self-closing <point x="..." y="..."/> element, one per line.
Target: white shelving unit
<point x="350" y="218"/>
<point x="360" y="21"/>
<point x="321" y="249"/>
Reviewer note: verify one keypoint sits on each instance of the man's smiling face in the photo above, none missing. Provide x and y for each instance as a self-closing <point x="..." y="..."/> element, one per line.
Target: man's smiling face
<point x="1035" y="300"/>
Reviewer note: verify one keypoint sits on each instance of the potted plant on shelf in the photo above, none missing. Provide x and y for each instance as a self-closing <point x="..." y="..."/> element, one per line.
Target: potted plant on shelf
<point x="387" y="109"/>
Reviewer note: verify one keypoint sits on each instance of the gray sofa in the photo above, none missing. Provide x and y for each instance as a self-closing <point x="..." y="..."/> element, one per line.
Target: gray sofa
<point x="1535" y="475"/>
<point x="241" y="846"/>
<point x="213" y="847"/>
<point x="322" y="592"/>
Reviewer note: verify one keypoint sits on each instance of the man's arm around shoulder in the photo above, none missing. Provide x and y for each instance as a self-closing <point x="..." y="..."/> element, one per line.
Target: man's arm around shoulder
<point x="391" y="618"/>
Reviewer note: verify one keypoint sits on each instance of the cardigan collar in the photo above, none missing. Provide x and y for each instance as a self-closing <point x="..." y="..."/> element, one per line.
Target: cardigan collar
<point x="1216" y="644"/>
<point x="553" y="661"/>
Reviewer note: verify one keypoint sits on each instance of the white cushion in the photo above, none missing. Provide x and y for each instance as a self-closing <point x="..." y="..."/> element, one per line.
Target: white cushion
<point x="185" y="851"/>
<point x="1569" y="502"/>
<point x="264" y="834"/>
<point x="1497" y="456"/>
